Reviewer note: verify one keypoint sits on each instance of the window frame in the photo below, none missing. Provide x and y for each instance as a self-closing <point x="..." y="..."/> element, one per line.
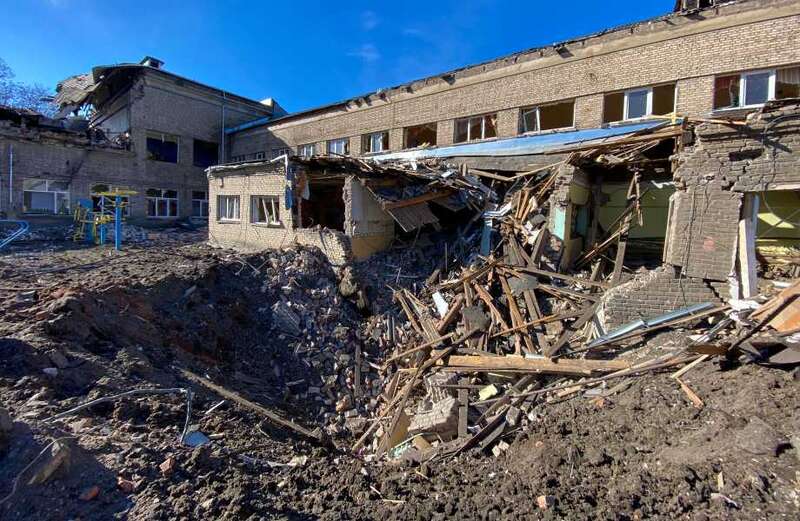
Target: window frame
<point x="433" y="125"/>
<point x="367" y="139"/>
<point x="55" y="193"/>
<point x="342" y="140"/>
<point x="302" y="149"/>
<point x="537" y="109"/>
<point x="275" y="204"/>
<point x="468" y="120"/>
<point x="771" y="87"/>
<point x="203" y="205"/>
<point x="160" y="198"/>
<point x="260" y="155"/>
<point x="238" y="208"/>
<point x="648" y="110"/>
<point x="163" y="136"/>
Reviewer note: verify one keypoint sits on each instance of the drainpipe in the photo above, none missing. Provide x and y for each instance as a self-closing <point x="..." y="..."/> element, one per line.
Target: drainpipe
<point x="224" y="158"/>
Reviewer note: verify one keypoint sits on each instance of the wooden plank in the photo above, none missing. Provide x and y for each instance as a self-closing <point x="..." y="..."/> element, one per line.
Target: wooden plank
<point x="561" y="276"/>
<point x="489" y="175"/>
<point x="258" y="409"/>
<point x="570" y="330"/>
<point x="534" y="365"/>
<point x="430" y="196"/>
<point x="516" y="319"/>
<point x="538" y="321"/>
<point x="419" y="348"/>
<point x="409" y="314"/>
<point x="535" y="171"/>
<point x="487" y="299"/>
<point x="452" y="314"/>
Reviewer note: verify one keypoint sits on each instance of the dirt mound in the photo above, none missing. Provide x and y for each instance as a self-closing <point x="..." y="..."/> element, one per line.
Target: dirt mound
<point x="276" y="329"/>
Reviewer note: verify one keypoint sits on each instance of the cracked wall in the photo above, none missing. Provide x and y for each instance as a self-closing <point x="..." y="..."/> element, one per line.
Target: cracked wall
<point x="713" y="176"/>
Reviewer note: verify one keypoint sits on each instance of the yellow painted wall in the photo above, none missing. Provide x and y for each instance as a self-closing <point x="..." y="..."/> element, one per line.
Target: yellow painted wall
<point x="783" y="203"/>
<point x="655" y="207"/>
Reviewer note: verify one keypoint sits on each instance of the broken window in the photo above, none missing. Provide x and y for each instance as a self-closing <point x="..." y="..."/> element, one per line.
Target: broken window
<point x="199" y="203"/>
<point x="228" y="207"/>
<point x="548" y="117"/>
<point x="787" y="83"/>
<point x="477" y="127"/>
<point x="420" y="135"/>
<point x="639" y="103"/>
<point x="375" y="142"/>
<point x="205" y="153"/>
<point x="307" y="150"/>
<point x="162" y="147"/>
<point x="339" y="147"/>
<point x="45" y="196"/>
<point x="264" y="209"/>
<point x="162" y="203"/>
<point x="101" y="204"/>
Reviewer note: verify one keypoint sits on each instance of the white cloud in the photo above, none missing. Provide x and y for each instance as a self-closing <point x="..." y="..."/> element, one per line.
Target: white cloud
<point x="369" y="20"/>
<point x="367" y="53"/>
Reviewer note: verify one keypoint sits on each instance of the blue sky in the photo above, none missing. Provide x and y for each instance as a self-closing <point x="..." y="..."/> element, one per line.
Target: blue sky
<point x="302" y="53"/>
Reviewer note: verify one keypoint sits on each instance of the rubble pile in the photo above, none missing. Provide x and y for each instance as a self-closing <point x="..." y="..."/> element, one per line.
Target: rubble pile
<point x="474" y="353"/>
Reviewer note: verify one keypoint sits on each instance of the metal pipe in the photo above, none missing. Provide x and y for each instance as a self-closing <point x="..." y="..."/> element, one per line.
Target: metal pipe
<point x="222" y="159"/>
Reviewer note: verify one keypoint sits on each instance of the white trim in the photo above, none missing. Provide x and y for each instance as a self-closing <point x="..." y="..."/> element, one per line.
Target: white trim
<point x="538" y="108"/>
<point x="302" y="149"/>
<point x="648" y="104"/>
<point x="238" y="208"/>
<point x="743" y="87"/>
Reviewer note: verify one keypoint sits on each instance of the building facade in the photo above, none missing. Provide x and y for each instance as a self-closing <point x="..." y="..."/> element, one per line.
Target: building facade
<point x="150" y="131"/>
<point x="716" y="59"/>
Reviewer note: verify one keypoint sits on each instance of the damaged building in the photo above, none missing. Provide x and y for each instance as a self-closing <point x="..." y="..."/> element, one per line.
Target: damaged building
<point x="655" y="163"/>
<point x="131" y="126"/>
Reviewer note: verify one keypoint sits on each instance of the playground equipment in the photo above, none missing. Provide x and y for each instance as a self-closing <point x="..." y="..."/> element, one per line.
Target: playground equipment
<point x="19" y="232"/>
<point x="92" y="217"/>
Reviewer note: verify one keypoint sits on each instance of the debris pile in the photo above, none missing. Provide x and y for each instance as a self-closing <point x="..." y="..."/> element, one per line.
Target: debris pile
<point x="477" y="348"/>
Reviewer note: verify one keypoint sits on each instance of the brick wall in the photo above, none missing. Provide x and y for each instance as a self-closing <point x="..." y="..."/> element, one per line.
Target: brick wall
<point x="713" y="175"/>
<point x="651" y="294"/>
<point x="154" y="102"/>
<point x="688" y="51"/>
<point x="244" y="235"/>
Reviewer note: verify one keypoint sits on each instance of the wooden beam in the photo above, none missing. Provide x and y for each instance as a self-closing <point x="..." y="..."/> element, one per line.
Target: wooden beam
<point x="536" y="171"/>
<point x="258" y="409"/>
<point x="561" y="276"/>
<point x="430" y="196"/>
<point x="534" y="365"/>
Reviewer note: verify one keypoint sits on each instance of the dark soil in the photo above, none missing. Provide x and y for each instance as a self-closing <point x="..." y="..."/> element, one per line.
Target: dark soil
<point x="134" y="319"/>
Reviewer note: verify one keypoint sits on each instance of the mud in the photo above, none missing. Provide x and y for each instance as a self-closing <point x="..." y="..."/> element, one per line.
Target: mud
<point x="110" y="322"/>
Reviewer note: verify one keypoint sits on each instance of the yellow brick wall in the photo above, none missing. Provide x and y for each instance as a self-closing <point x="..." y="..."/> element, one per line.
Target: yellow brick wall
<point x="243" y="235"/>
<point x="741" y="36"/>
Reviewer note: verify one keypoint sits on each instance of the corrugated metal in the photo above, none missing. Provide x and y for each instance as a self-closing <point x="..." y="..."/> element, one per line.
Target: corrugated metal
<point x="412" y="217"/>
<point x="524" y="145"/>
